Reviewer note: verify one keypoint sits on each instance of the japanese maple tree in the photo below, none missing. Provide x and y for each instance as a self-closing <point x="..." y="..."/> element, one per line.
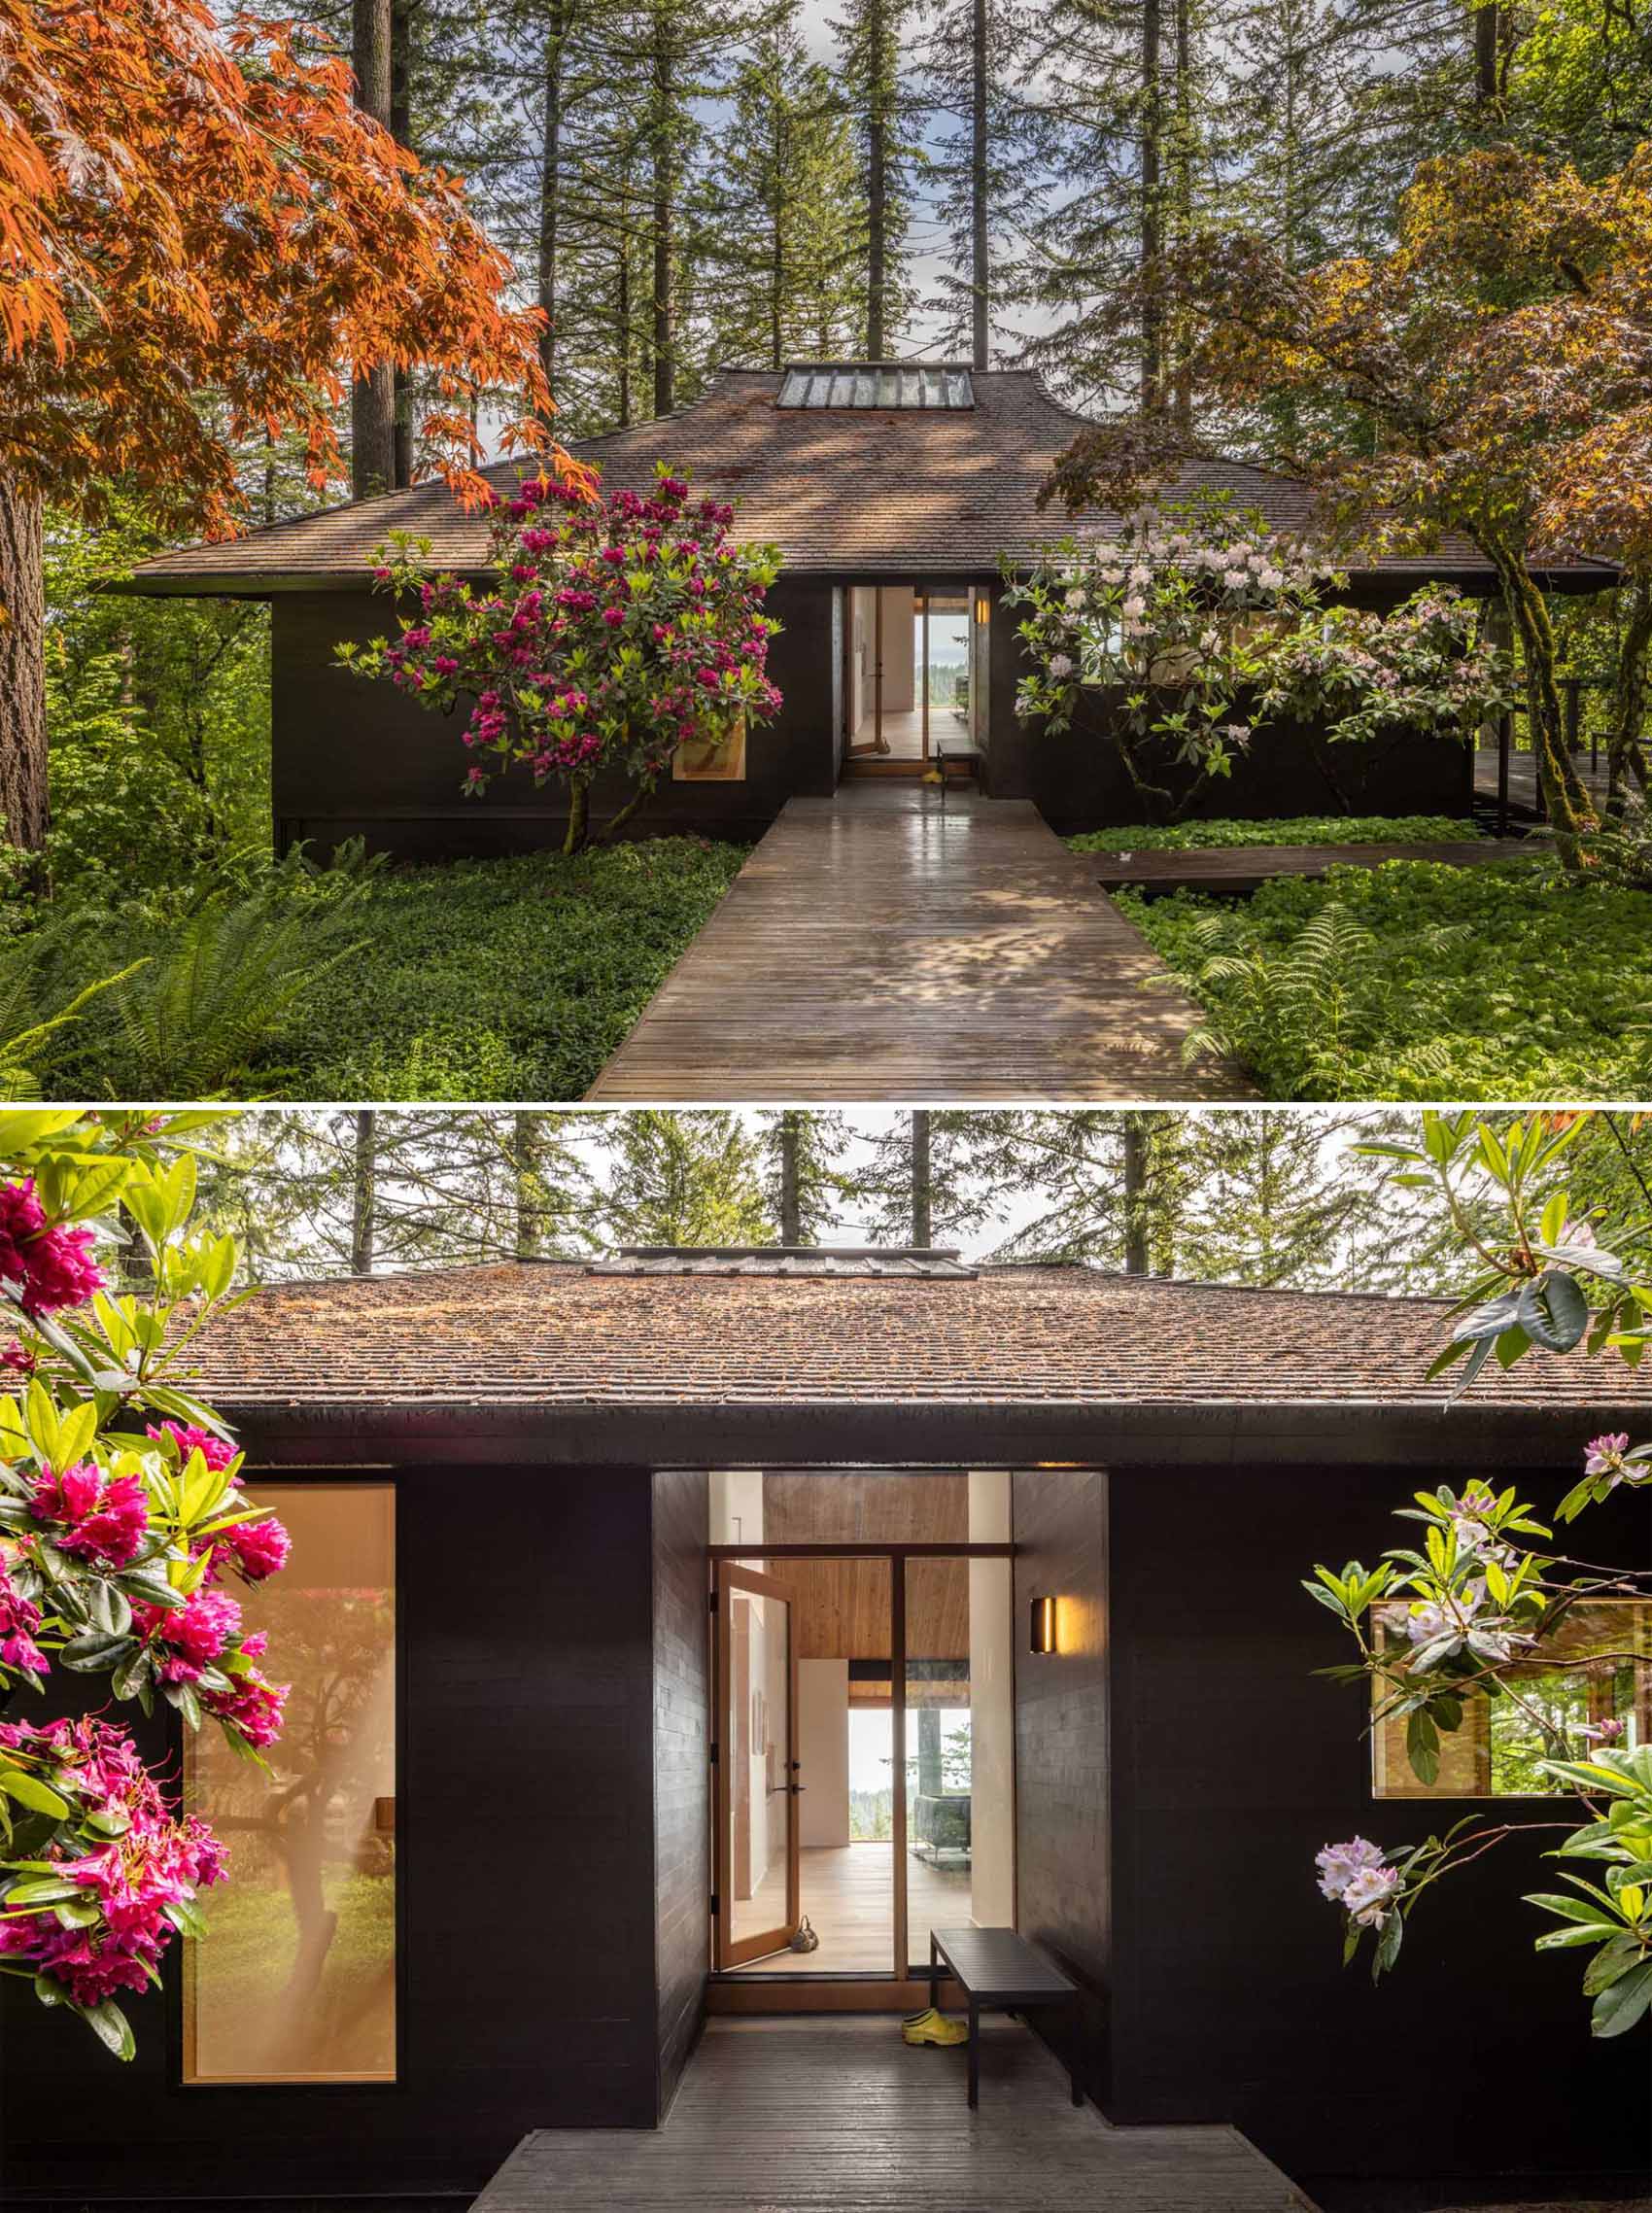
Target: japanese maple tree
<point x="1491" y="376"/>
<point x="203" y="240"/>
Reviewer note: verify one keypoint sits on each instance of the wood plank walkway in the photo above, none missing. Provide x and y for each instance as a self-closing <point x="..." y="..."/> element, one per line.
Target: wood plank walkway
<point x="876" y="946"/>
<point x="1242" y="868"/>
<point x="791" y="2115"/>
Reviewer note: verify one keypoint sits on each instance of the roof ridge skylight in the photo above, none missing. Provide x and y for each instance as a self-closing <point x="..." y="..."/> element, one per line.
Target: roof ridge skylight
<point x="876" y="384"/>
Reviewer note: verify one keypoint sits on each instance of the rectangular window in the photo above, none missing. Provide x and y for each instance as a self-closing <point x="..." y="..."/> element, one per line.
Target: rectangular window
<point x="295" y="1979"/>
<point x="1585" y="1678"/>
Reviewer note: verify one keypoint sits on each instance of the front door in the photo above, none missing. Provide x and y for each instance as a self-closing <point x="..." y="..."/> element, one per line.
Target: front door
<point x="757" y="1783"/>
<point x="913" y="676"/>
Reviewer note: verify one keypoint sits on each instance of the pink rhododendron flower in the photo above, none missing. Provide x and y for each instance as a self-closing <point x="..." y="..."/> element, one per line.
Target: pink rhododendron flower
<point x="1605" y="1454"/>
<point x="252" y="1706"/>
<point x="51" y="1266"/>
<point x="1339" y="1863"/>
<point x="95" y="1519"/>
<point x="18" y="1358"/>
<point x="215" y="1451"/>
<point x="190" y="1636"/>
<point x="260" y="1547"/>
<point x="158" y="1861"/>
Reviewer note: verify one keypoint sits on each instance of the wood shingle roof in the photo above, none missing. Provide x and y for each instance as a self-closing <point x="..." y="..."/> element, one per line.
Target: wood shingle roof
<point x="860" y="491"/>
<point x="565" y="1334"/>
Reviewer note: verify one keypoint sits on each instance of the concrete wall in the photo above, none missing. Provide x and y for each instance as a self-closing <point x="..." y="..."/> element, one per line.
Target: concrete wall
<point x="993" y="1708"/>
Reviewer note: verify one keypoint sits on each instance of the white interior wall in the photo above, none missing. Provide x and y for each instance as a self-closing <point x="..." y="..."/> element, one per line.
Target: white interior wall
<point x="737" y="1507"/>
<point x="823" y="1747"/>
<point x="900" y="650"/>
<point x="992" y="1708"/>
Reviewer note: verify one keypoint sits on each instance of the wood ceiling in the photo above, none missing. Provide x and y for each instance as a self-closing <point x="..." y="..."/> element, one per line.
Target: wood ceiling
<point x="843" y="1606"/>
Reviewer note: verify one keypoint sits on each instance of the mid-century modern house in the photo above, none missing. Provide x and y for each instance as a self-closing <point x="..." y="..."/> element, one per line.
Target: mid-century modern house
<point x="894" y="495"/>
<point x="640" y="1609"/>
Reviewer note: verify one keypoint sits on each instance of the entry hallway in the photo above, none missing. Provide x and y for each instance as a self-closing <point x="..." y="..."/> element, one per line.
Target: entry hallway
<point x="788" y="2115"/>
<point x="879" y="947"/>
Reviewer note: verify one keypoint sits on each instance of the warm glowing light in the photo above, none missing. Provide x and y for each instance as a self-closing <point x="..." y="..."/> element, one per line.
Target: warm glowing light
<point x="1043" y="1638"/>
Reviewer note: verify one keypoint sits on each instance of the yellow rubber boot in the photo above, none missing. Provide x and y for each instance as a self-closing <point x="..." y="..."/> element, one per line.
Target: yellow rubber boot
<point x="933" y="2027"/>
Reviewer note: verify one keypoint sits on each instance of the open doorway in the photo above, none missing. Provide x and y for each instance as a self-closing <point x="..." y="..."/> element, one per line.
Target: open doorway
<point x="915" y="676"/>
<point x="873" y="1764"/>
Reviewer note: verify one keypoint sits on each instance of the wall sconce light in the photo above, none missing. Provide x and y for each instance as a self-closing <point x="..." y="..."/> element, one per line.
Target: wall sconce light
<point x="983" y="607"/>
<point x="1042" y="1634"/>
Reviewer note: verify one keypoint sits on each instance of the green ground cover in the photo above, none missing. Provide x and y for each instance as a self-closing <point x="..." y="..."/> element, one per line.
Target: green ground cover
<point x="500" y="980"/>
<point x="1283" y="830"/>
<point x="471" y="980"/>
<point x="1419" y="981"/>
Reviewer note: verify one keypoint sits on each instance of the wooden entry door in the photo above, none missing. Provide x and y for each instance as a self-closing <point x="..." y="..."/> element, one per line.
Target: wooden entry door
<point x="756" y="1767"/>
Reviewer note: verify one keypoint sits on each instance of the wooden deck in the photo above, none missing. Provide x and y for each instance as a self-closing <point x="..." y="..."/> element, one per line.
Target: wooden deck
<point x="875" y="947"/>
<point x="1522" y="778"/>
<point x="789" y="2115"/>
<point x="1242" y="868"/>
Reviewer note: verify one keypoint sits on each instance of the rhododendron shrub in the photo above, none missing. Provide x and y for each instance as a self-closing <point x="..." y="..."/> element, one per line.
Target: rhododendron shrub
<point x="101" y="1873"/>
<point x="614" y="630"/>
<point x="125" y="1534"/>
<point x="1472" y="1614"/>
<point x="1196" y="626"/>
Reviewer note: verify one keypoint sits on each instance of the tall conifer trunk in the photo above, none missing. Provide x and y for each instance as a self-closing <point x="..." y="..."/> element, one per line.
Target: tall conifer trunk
<point x="1151" y="212"/>
<point x="876" y="182"/>
<point x="550" y="183"/>
<point x="981" y="333"/>
<point x="663" y="329"/>
<point x="402" y="130"/>
<point x="922" y="1185"/>
<point x="372" y="398"/>
<point x="23" y="671"/>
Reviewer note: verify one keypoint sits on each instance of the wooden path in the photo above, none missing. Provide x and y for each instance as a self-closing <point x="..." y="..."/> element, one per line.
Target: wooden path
<point x="1522" y="778"/>
<point x="1242" y="868"/>
<point x="791" y="2115"/>
<point x="875" y="947"/>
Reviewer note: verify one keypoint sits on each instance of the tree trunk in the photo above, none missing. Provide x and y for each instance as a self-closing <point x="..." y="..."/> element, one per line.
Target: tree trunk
<point x="1487" y="42"/>
<point x="526" y="1133"/>
<point x="876" y="182"/>
<point x="1569" y="809"/>
<point x="622" y="300"/>
<point x="922" y="1192"/>
<point x="550" y="186"/>
<point x="402" y="130"/>
<point x="1135" y="1195"/>
<point x="1152" y="213"/>
<point x="981" y="340"/>
<point x="1627" y="746"/>
<point x="664" y="324"/>
<point x="22" y="672"/>
<point x="363" y="1194"/>
<point x="372" y="398"/>
<point x="1182" y="390"/>
<point x="791" y="1144"/>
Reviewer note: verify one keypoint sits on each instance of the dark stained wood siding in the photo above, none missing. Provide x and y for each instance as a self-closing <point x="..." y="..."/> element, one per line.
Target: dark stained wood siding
<point x="525" y="1857"/>
<point x="352" y="758"/>
<point x="1060" y="1520"/>
<point x="682" y="1814"/>
<point x="1232" y="1765"/>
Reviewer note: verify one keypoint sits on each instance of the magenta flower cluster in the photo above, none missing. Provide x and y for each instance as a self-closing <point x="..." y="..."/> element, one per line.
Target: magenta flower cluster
<point x="620" y="628"/>
<point x="51" y="1265"/>
<point x="124" y="1851"/>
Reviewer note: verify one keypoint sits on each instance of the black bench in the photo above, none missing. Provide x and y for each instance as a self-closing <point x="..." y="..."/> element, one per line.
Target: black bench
<point x="1002" y="1972"/>
<point x="959" y="749"/>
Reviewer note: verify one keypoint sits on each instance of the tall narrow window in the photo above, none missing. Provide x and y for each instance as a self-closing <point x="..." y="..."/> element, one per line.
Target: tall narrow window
<point x="296" y="1980"/>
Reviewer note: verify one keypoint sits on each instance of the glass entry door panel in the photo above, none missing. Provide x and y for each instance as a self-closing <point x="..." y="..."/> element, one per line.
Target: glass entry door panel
<point x="757" y="1767"/>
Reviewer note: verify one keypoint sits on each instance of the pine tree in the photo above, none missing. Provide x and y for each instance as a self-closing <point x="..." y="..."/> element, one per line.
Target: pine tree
<point x="683" y="1179"/>
<point x="877" y="100"/>
<point x="806" y="1178"/>
<point x="968" y="64"/>
<point x="779" y="272"/>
